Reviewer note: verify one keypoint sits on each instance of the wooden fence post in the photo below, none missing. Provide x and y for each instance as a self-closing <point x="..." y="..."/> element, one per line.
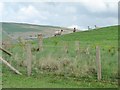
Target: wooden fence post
<point x="77" y="48"/>
<point x="40" y="42"/>
<point x="98" y="61"/>
<point x="66" y="47"/>
<point x="7" y="43"/>
<point x="28" y="58"/>
<point x="22" y="42"/>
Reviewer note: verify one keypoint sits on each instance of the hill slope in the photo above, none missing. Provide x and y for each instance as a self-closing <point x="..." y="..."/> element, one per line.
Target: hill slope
<point x="19" y="29"/>
<point x="78" y="71"/>
<point x="102" y="36"/>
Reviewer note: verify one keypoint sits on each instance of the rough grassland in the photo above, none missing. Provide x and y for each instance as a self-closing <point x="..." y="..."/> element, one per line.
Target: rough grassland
<point x="106" y="38"/>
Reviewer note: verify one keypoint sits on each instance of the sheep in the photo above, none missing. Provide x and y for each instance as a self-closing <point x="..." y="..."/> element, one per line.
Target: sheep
<point x="89" y="28"/>
<point x="74" y="30"/>
<point x="96" y="27"/>
<point x="58" y="32"/>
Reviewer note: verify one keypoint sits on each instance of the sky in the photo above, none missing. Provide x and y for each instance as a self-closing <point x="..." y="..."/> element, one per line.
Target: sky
<point x="79" y="14"/>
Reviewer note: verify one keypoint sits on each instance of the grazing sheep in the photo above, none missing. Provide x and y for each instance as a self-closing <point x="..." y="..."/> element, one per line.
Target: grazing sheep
<point x="74" y="30"/>
<point x="58" y="32"/>
<point x="89" y="28"/>
<point x="96" y="27"/>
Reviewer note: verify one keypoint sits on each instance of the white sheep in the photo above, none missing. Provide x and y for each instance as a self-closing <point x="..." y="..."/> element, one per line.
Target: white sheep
<point x="58" y="32"/>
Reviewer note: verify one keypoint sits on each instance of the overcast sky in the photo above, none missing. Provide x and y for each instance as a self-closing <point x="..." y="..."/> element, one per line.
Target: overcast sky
<point x="66" y="14"/>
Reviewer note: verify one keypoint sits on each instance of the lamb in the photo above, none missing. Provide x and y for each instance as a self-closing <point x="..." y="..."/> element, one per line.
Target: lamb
<point x="58" y="32"/>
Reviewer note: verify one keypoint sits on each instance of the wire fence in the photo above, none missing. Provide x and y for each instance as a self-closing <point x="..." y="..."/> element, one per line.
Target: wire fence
<point x="66" y="58"/>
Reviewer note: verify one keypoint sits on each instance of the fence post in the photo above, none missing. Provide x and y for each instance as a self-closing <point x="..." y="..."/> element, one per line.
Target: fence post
<point x="28" y="58"/>
<point x="66" y="47"/>
<point x="77" y="48"/>
<point x="40" y="42"/>
<point x="98" y="61"/>
<point x="22" y="42"/>
<point x="7" y="43"/>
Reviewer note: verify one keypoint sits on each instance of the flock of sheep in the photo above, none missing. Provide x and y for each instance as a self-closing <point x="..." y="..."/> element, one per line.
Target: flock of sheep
<point x="96" y="27"/>
<point x="59" y="32"/>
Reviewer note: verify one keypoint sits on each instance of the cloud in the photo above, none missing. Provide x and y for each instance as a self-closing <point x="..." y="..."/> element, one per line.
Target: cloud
<point x="81" y="28"/>
<point x="74" y="26"/>
<point x="98" y="6"/>
<point x="53" y="0"/>
<point x="1" y="8"/>
<point x="25" y="13"/>
<point x="113" y="7"/>
<point x="70" y="9"/>
<point x="29" y="12"/>
<point x="68" y="14"/>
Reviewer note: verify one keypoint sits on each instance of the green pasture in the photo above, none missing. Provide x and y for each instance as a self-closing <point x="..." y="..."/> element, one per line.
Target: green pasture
<point x="53" y="67"/>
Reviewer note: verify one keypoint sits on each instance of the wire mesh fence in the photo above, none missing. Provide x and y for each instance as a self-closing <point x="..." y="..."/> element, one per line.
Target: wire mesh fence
<point x="69" y="59"/>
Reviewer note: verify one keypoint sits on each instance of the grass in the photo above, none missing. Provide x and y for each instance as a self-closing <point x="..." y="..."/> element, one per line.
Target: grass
<point x="52" y="67"/>
<point x="107" y="36"/>
<point x="52" y="81"/>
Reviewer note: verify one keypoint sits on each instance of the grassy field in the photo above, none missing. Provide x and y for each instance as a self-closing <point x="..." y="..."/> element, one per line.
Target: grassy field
<point x="53" y="67"/>
<point x="11" y="80"/>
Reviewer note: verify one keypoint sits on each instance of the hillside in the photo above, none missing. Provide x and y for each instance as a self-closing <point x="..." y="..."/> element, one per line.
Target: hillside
<point x="16" y="30"/>
<point x="54" y="66"/>
<point x="102" y="36"/>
